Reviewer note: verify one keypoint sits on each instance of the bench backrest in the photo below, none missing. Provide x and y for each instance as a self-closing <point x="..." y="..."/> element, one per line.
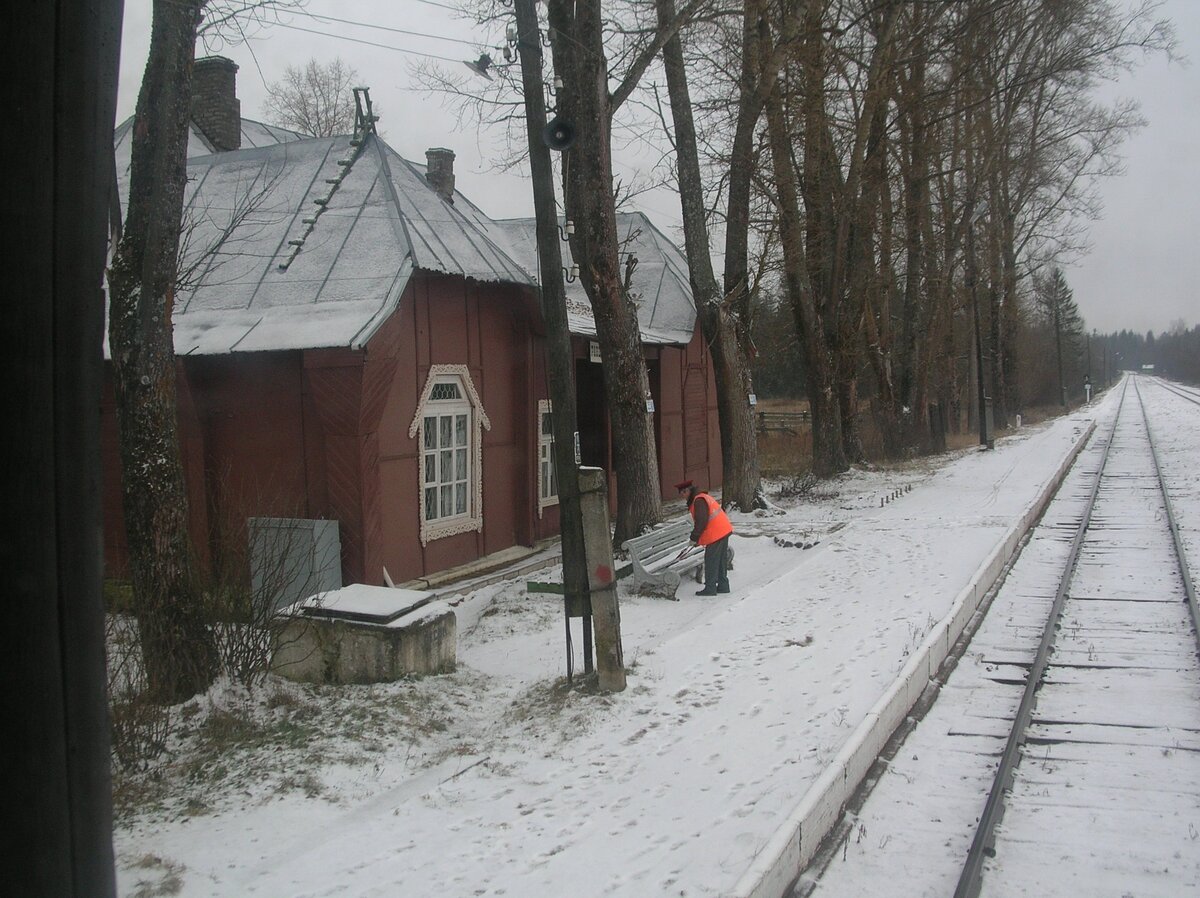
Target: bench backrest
<point x="662" y="540"/>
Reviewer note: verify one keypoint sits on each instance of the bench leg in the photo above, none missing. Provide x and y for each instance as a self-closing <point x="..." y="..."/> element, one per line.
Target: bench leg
<point x="663" y="585"/>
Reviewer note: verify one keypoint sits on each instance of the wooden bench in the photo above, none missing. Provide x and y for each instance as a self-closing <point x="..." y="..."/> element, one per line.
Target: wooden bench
<point x="658" y="565"/>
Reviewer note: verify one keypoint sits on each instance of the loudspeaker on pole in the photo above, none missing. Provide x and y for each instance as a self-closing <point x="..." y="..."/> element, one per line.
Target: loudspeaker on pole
<point x="558" y="134"/>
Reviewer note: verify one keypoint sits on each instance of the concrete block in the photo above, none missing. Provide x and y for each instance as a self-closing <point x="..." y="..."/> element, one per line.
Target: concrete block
<point x="771" y="877"/>
<point x="822" y="816"/>
<point x="867" y="743"/>
<point x="960" y="616"/>
<point x="938" y="647"/>
<point x="894" y="705"/>
<point x="915" y="685"/>
<point x="339" y="651"/>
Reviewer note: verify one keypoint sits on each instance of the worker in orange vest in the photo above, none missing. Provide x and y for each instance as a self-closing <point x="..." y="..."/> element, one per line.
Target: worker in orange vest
<point x="711" y="529"/>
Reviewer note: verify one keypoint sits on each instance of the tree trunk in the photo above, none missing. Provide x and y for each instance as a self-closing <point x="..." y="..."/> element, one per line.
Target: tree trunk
<point x="178" y="650"/>
<point x="916" y="322"/>
<point x="829" y="457"/>
<point x="996" y="294"/>
<point x="1012" y="317"/>
<point x="578" y="48"/>
<point x="724" y="330"/>
<point x="1058" y="353"/>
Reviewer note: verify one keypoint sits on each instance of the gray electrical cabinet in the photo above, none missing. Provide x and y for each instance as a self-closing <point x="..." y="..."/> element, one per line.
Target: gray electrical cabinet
<point x="293" y="558"/>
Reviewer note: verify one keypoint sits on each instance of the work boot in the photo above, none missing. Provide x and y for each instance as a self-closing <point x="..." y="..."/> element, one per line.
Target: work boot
<point x="707" y="592"/>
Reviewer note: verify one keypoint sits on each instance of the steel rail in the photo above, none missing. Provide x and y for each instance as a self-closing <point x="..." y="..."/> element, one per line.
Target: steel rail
<point x="1188" y="588"/>
<point x="1174" y="388"/>
<point x="971" y="879"/>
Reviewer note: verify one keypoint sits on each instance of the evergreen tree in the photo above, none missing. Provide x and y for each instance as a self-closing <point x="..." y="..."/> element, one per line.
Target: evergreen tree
<point x="1056" y="304"/>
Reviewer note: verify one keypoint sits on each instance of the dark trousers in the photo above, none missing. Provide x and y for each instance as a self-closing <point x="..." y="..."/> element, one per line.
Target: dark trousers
<point x="716" y="577"/>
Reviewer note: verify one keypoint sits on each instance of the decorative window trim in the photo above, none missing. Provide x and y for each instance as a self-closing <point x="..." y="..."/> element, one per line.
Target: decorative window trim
<point x="544" y="408"/>
<point x="431" y="530"/>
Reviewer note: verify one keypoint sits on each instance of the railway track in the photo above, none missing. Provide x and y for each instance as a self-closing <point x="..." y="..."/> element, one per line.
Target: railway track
<point x="1075" y="710"/>
<point x="1191" y="394"/>
<point x="1115" y="678"/>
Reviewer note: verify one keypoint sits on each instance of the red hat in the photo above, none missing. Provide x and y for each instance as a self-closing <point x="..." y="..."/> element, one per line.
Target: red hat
<point x="683" y="485"/>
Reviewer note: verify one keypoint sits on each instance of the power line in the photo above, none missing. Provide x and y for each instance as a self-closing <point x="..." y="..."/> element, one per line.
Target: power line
<point x="440" y="5"/>
<point x="356" y="40"/>
<point x="321" y="17"/>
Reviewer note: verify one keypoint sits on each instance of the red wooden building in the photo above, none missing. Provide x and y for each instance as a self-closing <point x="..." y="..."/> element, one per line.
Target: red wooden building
<point x="359" y="343"/>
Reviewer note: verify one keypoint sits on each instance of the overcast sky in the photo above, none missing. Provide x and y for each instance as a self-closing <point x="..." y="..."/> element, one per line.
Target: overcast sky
<point x="1141" y="273"/>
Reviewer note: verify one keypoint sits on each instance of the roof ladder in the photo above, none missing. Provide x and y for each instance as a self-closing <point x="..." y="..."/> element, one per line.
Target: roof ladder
<point x="364" y="124"/>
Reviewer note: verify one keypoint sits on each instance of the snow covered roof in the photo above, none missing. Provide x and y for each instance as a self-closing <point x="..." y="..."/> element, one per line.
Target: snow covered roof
<point x="304" y="243"/>
<point x="661" y="287"/>
<point x="254" y="134"/>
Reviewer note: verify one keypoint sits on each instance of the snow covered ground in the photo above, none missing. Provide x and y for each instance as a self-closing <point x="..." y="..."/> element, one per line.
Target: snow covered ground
<point x="1136" y="804"/>
<point x="501" y="780"/>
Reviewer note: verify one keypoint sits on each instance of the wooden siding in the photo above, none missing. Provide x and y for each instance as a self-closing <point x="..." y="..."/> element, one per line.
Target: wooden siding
<point x="486" y="328"/>
<point x="334" y="383"/>
<point x="324" y="433"/>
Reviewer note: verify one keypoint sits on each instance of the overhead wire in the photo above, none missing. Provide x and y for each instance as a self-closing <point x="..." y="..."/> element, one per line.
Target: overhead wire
<point x="357" y="40"/>
<point x="440" y="5"/>
<point x="321" y="17"/>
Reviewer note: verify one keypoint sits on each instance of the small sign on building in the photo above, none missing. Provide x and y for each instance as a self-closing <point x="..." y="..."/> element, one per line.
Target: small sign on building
<point x="594" y="352"/>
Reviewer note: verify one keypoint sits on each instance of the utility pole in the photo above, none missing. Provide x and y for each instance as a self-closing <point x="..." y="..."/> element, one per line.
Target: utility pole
<point x="1089" y="355"/>
<point x="558" y="337"/>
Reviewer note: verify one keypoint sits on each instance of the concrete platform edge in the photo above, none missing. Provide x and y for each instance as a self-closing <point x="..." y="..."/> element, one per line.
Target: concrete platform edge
<point x="788" y="852"/>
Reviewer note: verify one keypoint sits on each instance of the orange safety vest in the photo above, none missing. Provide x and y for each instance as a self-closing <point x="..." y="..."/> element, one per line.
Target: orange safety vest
<point x="719" y="526"/>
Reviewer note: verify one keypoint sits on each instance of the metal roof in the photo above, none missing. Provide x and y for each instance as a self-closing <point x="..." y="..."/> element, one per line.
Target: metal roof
<point x="304" y="243"/>
<point x="661" y="287"/>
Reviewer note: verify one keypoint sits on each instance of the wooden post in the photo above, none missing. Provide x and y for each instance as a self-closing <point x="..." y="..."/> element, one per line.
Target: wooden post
<point x="602" y="579"/>
<point x="560" y="364"/>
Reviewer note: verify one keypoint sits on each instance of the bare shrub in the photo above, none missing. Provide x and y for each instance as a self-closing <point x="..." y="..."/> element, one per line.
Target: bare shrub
<point x="139" y="725"/>
<point x="798" y="486"/>
<point x="258" y="566"/>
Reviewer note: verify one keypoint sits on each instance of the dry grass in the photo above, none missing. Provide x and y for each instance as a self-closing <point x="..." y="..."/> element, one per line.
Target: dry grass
<point x="963" y="440"/>
<point x="784" y="454"/>
<point x="156" y="878"/>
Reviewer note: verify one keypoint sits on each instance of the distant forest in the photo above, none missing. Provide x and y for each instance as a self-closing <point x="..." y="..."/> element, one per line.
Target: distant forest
<point x="1175" y="353"/>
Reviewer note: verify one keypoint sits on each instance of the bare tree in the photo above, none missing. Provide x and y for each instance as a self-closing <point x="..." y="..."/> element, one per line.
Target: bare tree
<point x="207" y="233"/>
<point x="177" y="647"/>
<point x="314" y="99"/>
<point x="920" y="125"/>
<point x="724" y="324"/>
<point x="577" y="36"/>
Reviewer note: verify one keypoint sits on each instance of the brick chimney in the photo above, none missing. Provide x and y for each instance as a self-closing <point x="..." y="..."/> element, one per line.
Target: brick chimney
<point x="440" y="172"/>
<point x="216" y="109"/>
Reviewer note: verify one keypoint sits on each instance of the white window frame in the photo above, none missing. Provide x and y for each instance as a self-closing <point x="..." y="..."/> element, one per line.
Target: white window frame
<point x="477" y="421"/>
<point x="545" y="462"/>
